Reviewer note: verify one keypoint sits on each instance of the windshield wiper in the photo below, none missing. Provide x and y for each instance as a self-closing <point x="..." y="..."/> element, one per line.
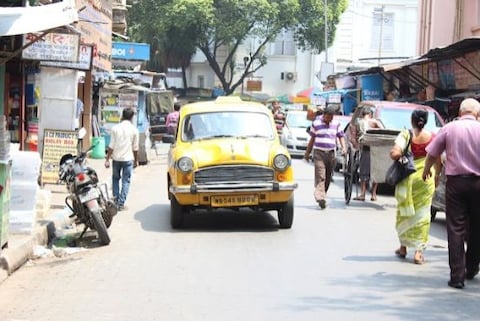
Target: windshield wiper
<point x="253" y="136"/>
<point x="215" y="136"/>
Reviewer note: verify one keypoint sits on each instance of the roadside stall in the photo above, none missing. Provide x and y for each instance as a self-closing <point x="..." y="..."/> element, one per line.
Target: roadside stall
<point x="441" y="78"/>
<point x="114" y="96"/>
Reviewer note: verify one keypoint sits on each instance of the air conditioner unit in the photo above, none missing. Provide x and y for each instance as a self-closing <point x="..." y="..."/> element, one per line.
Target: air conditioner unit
<point x="290" y="75"/>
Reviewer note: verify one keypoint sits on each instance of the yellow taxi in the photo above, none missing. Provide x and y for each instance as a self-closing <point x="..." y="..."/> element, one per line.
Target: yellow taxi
<point x="227" y="154"/>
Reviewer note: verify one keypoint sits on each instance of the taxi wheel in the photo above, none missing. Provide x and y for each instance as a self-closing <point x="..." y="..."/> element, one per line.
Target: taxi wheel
<point x="285" y="214"/>
<point x="177" y="214"/>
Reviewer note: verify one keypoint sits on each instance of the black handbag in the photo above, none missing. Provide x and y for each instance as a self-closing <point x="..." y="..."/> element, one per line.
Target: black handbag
<point x="401" y="168"/>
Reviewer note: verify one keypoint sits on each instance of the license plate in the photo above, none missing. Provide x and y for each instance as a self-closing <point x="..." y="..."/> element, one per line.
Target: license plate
<point x="233" y="200"/>
<point x="88" y="196"/>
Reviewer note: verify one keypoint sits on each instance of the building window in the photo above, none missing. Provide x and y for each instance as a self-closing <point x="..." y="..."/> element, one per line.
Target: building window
<point x="284" y="44"/>
<point x="384" y="29"/>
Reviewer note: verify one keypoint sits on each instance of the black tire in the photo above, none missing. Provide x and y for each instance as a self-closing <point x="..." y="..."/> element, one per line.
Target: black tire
<point x="348" y="174"/>
<point x="433" y="213"/>
<point x="100" y="227"/>
<point x="177" y="213"/>
<point x="285" y="214"/>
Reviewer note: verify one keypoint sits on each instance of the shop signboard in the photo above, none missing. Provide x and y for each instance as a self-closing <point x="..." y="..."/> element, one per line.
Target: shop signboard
<point x="130" y="51"/>
<point x="254" y="85"/>
<point x="56" y="143"/>
<point x="99" y="32"/>
<point x="52" y="46"/>
<point x="84" y="60"/>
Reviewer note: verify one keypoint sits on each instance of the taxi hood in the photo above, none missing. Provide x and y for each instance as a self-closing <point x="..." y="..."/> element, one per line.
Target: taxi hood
<point x="231" y="151"/>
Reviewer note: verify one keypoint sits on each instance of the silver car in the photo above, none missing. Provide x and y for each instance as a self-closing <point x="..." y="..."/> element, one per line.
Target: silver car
<point x="294" y="134"/>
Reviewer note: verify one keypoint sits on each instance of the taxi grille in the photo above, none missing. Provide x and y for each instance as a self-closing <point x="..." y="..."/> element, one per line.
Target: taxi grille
<point x="231" y="174"/>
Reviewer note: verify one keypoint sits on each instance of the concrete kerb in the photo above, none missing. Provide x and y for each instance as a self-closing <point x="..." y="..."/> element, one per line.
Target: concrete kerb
<point x="13" y="257"/>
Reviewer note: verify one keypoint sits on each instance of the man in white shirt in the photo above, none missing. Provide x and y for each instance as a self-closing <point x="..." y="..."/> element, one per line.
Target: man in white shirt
<point x="123" y="149"/>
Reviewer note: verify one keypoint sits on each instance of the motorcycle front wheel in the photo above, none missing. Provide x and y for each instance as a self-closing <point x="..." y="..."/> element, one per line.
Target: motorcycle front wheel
<point x="100" y="227"/>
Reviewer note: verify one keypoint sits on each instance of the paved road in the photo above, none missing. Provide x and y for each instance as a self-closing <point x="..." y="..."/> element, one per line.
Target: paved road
<point x="335" y="264"/>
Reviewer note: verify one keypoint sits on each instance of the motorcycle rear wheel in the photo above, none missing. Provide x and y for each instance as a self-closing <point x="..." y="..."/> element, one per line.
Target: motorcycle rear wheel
<point x="100" y="227"/>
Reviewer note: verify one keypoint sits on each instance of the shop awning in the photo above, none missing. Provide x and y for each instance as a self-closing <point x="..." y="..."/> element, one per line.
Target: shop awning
<point x="22" y="20"/>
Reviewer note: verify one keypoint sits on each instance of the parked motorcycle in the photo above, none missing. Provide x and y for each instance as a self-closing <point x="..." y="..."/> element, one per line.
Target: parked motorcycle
<point x="88" y="199"/>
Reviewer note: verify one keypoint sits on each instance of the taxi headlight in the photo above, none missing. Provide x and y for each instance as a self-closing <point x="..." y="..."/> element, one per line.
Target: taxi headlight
<point x="281" y="162"/>
<point x="185" y="164"/>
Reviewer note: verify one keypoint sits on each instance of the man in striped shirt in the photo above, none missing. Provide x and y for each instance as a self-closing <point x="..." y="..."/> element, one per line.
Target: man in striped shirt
<point x="323" y="135"/>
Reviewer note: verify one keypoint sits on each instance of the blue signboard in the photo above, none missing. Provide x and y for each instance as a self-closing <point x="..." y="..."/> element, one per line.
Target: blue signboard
<point x="130" y="51"/>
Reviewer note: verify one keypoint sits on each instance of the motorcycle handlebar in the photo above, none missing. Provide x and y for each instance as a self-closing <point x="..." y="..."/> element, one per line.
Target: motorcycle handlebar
<point x="83" y="154"/>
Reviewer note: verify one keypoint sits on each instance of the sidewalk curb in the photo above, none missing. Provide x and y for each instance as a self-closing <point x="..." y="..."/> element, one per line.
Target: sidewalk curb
<point x="12" y="258"/>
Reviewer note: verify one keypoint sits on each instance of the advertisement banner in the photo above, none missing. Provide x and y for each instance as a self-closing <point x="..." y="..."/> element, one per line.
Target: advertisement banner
<point x="84" y="60"/>
<point x="56" y="143"/>
<point x="53" y="46"/>
<point x="112" y="103"/>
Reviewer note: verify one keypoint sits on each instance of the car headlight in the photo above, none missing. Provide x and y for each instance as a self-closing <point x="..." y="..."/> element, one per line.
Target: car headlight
<point x="281" y="162"/>
<point x="185" y="164"/>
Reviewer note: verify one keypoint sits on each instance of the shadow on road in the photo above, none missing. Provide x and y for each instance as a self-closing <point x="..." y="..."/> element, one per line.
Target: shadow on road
<point x="157" y="218"/>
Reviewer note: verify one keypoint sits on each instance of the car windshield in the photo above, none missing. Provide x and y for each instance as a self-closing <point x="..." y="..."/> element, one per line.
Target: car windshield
<point x="400" y="118"/>
<point x="241" y="124"/>
<point x="298" y="120"/>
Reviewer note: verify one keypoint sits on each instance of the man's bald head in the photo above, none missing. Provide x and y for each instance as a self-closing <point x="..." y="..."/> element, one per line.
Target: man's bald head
<point x="469" y="106"/>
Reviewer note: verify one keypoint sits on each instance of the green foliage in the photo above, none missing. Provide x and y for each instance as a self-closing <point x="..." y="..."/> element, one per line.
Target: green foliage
<point x="176" y="28"/>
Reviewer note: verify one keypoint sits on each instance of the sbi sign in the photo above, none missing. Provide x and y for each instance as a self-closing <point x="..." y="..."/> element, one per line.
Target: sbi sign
<point x="119" y="52"/>
<point x="130" y="51"/>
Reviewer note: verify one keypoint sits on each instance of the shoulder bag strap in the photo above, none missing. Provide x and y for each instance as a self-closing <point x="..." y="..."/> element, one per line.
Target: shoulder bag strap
<point x="409" y="141"/>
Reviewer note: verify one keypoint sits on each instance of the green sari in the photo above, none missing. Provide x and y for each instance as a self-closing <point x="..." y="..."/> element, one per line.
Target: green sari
<point x="414" y="198"/>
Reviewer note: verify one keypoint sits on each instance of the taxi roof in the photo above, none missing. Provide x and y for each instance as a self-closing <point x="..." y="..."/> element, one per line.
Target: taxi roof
<point x="223" y="103"/>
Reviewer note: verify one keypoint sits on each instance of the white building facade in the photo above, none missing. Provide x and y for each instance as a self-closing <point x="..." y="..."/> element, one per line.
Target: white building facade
<point x="370" y="32"/>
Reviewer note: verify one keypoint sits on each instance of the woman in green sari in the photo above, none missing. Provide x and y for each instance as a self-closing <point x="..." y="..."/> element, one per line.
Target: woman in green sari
<point x="413" y="194"/>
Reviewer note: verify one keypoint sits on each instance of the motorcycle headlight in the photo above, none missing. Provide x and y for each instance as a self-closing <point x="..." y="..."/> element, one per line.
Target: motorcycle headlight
<point x="185" y="164"/>
<point x="281" y="162"/>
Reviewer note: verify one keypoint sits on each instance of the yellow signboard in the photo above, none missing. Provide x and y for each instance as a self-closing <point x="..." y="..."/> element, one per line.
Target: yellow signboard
<point x="56" y="143"/>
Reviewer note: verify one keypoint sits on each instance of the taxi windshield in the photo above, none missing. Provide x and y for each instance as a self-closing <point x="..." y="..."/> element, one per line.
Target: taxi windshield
<point x="242" y="124"/>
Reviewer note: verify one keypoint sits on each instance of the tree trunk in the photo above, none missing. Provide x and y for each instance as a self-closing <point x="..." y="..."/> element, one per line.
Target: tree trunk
<point x="184" y="79"/>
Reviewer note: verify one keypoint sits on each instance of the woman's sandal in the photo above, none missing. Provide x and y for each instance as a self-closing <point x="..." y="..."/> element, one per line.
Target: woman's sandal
<point x="358" y="198"/>
<point x="419" y="259"/>
<point x="401" y="253"/>
<point x="373" y="198"/>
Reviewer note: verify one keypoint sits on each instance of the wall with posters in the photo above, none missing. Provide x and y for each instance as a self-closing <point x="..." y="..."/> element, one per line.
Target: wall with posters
<point x="111" y="104"/>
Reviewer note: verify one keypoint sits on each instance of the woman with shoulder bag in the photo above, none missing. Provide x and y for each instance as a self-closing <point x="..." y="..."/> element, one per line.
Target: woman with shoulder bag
<point x="413" y="194"/>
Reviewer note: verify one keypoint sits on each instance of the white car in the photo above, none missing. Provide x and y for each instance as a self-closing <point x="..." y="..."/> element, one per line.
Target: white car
<point x="294" y="134"/>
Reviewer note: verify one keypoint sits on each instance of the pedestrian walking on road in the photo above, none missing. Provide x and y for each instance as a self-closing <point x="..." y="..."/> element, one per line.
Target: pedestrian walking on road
<point x="460" y="141"/>
<point x="365" y="123"/>
<point x="123" y="149"/>
<point x="172" y="119"/>
<point x="414" y="194"/>
<point x="323" y="134"/>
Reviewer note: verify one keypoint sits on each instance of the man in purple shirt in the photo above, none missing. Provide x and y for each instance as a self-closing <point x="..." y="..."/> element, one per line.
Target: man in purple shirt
<point x="323" y="134"/>
<point x="460" y="139"/>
